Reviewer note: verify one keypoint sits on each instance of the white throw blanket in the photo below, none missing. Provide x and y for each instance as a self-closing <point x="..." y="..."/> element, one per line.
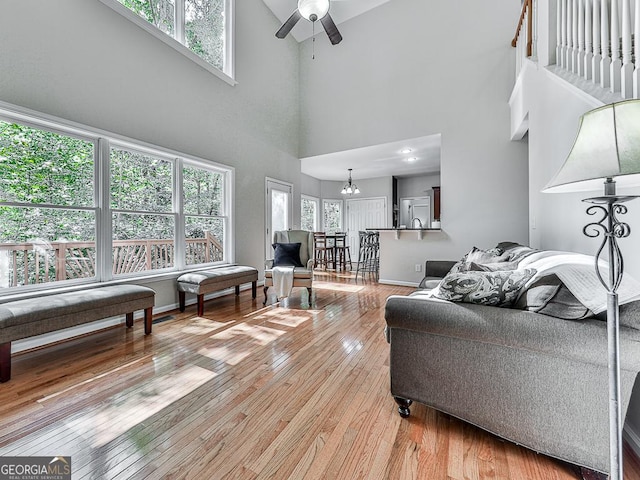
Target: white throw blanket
<point x="578" y="273"/>
<point x="282" y="280"/>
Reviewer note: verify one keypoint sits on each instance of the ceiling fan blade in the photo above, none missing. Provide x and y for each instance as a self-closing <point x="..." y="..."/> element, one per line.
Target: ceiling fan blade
<point x="331" y="29"/>
<point x="289" y="24"/>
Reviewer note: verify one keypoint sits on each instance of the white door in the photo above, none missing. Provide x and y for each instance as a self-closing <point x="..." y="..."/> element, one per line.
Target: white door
<point x="279" y="204"/>
<point x="363" y="213"/>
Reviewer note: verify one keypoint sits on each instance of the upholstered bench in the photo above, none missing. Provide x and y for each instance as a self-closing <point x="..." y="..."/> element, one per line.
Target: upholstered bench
<point x="50" y="312"/>
<point x="216" y="279"/>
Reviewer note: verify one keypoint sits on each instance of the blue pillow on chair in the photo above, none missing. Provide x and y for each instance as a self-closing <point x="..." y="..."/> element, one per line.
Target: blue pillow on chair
<point x="287" y="254"/>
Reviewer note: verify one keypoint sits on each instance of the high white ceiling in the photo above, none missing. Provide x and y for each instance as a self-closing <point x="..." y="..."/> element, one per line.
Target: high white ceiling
<point x="372" y="161"/>
<point x="340" y="11"/>
<point x="382" y="160"/>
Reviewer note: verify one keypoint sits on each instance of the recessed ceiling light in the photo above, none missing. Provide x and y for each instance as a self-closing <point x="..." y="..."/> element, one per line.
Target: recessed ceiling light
<point x="412" y="159"/>
<point x="406" y="150"/>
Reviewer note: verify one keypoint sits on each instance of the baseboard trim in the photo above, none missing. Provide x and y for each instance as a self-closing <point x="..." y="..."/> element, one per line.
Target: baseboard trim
<point x="632" y="438"/>
<point x="398" y="282"/>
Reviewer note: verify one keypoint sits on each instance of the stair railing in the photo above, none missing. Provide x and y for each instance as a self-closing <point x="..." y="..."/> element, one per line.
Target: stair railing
<point x="595" y="41"/>
<point x="523" y="38"/>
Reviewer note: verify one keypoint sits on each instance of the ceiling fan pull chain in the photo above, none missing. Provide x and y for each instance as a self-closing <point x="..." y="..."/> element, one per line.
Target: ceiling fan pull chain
<point x="313" y="40"/>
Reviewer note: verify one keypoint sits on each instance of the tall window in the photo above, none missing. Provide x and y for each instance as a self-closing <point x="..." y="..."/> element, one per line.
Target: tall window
<point x="309" y="213"/>
<point x="56" y="223"/>
<point x="47" y="207"/>
<point x="204" y="214"/>
<point x="203" y="26"/>
<point x="332" y="215"/>
<point x="143" y="222"/>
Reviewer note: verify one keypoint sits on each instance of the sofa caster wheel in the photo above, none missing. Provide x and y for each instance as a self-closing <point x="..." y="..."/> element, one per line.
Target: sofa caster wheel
<point x="403" y="406"/>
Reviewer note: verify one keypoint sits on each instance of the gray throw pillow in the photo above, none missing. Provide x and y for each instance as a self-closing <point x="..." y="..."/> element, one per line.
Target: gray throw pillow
<point x="479" y="256"/>
<point x="499" y="289"/>
<point x="549" y="296"/>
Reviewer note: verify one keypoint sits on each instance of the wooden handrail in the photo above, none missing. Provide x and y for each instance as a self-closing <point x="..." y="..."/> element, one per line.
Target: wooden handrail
<point x="527" y="9"/>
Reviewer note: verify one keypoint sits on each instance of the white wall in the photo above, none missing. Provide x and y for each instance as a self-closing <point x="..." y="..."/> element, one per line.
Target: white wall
<point x="448" y="70"/>
<point x="310" y="186"/>
<point x="83" y="62"/>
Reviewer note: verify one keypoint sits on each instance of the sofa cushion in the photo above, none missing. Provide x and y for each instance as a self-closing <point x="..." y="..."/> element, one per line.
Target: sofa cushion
<point x="500" y="288"/>
<point x="477" y="255"/>
<point x="549" y="296"/>
<point x="287" y="254"/>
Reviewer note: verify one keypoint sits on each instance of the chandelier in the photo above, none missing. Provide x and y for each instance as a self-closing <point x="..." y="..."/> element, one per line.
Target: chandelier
<point x="350" y="187"/>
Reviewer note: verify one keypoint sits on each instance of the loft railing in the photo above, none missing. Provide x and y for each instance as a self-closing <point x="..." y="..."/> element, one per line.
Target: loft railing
<point x="36" y="263"/>
<point x="595" y="42"/>
<point x="523" y="40"/>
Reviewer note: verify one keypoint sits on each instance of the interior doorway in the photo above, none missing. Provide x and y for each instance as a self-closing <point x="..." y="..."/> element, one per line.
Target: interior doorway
<point x="279" y="206"/>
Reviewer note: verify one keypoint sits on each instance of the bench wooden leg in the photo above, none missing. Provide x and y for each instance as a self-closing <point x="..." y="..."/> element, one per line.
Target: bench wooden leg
<point x="237" y="289"/>
<point x="265" y="295"/>
<point x="130" y="319"/>
<point x="181" y="298"/>
<point x="148" y="319"/>
<point x="254" y="288"/>
<point x="5" y="362"/>
<point x="201" y="305"/>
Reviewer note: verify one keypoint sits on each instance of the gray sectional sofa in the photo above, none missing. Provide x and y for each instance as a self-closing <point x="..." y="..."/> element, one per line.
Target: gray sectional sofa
<point x="516" y="371"/>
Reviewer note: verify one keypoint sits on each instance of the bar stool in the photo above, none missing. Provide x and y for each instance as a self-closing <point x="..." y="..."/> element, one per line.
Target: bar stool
<point x="369" y="254"/>
<point x="323" y="251"/>
<point x="342" y="252"/>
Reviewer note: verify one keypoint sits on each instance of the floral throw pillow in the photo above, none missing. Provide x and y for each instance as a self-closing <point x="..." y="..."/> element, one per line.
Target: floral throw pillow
<point x="498" y="289"/>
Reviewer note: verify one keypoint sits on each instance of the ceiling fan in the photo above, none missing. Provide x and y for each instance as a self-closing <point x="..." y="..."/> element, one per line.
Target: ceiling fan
<point x="312" y="10"/>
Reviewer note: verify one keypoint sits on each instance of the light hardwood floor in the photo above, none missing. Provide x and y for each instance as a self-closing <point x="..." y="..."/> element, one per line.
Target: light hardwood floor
<point x="285" y="391"/>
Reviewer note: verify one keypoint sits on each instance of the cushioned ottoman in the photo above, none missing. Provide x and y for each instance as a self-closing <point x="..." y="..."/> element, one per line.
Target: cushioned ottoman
<point x="50" y="312"/>
<point x="208" y="281"/>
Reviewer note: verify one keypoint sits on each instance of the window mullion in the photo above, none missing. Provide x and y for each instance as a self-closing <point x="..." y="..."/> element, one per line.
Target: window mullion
<point x="180" y="21"/>
<point x="178" y="208"/>
<point x="229" y="27"/>
<point x="104" y="240"/>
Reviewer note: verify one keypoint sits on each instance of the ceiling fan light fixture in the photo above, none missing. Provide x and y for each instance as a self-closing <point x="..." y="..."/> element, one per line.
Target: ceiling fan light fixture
<point x="313" y="10"/>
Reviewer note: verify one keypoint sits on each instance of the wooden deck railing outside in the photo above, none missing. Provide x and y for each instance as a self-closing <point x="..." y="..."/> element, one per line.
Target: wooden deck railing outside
<point x="35" y="263"/>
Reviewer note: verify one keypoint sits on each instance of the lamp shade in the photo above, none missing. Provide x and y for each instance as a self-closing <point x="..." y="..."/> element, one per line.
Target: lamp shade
<point x="307" y="8"/>
<point x="607" y="146"/>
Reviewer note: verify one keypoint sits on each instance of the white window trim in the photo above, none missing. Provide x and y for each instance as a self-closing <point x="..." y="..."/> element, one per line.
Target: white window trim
<point x="336" y="200"/>
<point x="104" y="140"/>
<point x="229" y="50"/>
<point x="318" y="219"/>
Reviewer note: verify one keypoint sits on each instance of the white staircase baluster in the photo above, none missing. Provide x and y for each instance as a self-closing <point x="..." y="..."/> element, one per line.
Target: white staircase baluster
<point x="534" y="28"/>
<point x="616" y="62"/>
<point x="562" y="35"/>
<point x="597" y="49"/>
<point x="581" y="46"/>
<point x="574" y="30"/>
<point x="569" y="27"/>
<point x="636" y="50"/>
<point x="588" y="43"/>
<point x="605" y="66"/>
<point x="626" y="83"/>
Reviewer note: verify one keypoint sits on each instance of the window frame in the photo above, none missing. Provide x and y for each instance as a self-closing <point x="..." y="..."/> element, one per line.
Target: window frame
<point x="103" y="142"/>
<point x="338" y="201"/>
<point x="318" y="217"/>
<point x="227" y="74"/>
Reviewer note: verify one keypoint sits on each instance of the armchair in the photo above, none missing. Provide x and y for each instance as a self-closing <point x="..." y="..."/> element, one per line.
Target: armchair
<point x="302" y="276"/>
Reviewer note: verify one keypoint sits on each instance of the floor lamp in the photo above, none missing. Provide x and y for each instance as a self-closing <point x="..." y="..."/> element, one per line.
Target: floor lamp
<point x="607" y="147"/>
